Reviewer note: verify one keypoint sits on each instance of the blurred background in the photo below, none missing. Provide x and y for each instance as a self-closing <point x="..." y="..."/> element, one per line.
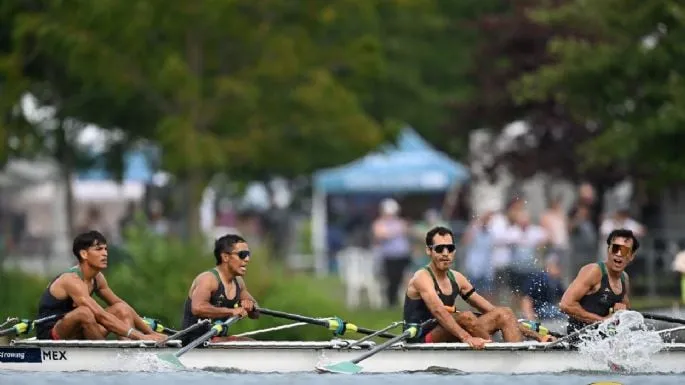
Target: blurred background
<point x="333" y="135"/>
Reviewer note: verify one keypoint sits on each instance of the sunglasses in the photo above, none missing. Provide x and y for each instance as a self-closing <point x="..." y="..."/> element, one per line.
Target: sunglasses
<point x="622" y="250"/>
<point x="242" y="254"/>
<point x="441" y="248"/>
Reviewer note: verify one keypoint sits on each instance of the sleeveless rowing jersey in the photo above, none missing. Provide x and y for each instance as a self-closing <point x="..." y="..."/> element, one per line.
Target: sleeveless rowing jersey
<point x="416" y="311"/>
<point x="49" y="305"/>
<point x="599" y="302"/>
<point x="217" y="299"/>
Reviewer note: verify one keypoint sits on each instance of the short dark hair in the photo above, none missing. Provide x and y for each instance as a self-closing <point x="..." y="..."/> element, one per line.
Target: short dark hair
<point x="85" y="240"/>
<point x="437" y="230"/>
<point x="624" y="233"/>
<point x="225" y="245"/>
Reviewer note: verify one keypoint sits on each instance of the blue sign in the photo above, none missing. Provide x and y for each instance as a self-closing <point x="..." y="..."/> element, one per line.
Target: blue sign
<point x="22" y="355"/>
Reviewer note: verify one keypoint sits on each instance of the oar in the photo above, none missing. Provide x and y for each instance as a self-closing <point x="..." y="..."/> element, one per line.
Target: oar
<point x="172" y="358"/>
<point x="9" y="321"/>
<point x="158" y="327"/>
<point x="351" y="367"/>
<point x="337" y="325"/>
<point x="370" y="336"/>
<point x="679" y="328"/>
<point x="538" y="328"/>
<point x="569" y="336"/>
<point x="25" y="326"/>
<point x="184" y="332"/>
<point x="658" y="317"/>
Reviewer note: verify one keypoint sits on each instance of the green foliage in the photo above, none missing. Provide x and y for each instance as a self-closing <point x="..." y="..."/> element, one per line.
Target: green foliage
<point x="624" y="77"/>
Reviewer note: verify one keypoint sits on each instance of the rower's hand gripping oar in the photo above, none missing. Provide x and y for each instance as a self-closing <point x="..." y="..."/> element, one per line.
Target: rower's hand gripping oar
<point x="218" y="328"/>
<point x="337" y="325"/>
<point x="26" y="326"/>
<point x="351" y="367"/>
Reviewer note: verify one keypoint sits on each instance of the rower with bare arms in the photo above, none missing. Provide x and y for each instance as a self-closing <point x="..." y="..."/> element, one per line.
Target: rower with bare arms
<point x="220" y="293"/>
<point x="70" y="294"/>
<point x="436" y="286"/>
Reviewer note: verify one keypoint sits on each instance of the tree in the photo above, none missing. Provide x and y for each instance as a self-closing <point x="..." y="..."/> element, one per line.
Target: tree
<point x="622" y="80"/>
<point x="238" y="86"/>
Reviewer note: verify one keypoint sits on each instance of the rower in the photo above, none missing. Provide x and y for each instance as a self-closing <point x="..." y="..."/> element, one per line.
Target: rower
<point x="436" y="286"/>
<point x="601" y="288"/>
<point x="70" y="293"/>
<point x="220" y="293"/>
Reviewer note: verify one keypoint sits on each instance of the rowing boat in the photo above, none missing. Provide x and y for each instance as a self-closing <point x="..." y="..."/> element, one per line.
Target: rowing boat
<point x="292" y="356"/>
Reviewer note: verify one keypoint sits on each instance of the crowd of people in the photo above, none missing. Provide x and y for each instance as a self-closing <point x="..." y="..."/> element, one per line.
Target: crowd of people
<point x="509" y="256"/>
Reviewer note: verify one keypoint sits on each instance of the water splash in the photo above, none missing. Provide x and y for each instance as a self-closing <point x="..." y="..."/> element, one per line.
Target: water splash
<point x="623" y="342"/>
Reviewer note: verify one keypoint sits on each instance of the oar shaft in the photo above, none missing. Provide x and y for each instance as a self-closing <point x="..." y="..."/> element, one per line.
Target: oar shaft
<point x="293" y="317"/>
<point x="658" y="317"/>
<point x="28" y="325"/>
<point x="569" y="336"/>
<point x="315" y="321"/>
<point x="198" y="341"/>
<point x="209" y="334"/>
<point x="671" y="330"/>
<point x="381" y="347"/>
<point x="370" y="336"/>
<point x="406" y="334"/>
<point x="186" y="331"/>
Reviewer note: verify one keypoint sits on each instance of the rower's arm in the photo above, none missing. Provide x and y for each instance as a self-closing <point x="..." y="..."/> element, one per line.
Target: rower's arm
<point x="588" y="277"/>
<point x="200" y="296"/>
<point x="77" y="290"/>
<point x="107" y="295"/>
<point x="424" y="285"/>
<point x="626" y="297"/>
<point x="474" y="299"/>
<point x="245" y="294"/>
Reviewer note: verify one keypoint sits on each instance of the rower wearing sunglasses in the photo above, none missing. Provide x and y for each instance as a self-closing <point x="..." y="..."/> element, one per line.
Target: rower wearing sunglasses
<point x="220" y="293"/>
<point x="435" y="287"/>
<point x="601" y="288"/>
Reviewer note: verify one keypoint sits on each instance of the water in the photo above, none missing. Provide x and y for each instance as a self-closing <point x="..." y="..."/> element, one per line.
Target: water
<point x="210" y="378"/>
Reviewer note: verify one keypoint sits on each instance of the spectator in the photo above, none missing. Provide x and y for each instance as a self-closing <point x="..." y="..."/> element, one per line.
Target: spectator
<point x="542" y="293"/>
<point x="555" y="222"/>
<point x="479" y="242"/>
<point x="393" y="247"/>
<point x="527" y="239"/>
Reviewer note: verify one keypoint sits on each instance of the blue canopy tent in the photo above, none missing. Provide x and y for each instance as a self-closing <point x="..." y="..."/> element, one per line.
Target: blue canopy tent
<point x="412" y="166"/>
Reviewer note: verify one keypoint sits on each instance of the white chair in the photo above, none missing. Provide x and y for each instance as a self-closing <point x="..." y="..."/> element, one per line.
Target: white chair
<point x="357" y="268"/>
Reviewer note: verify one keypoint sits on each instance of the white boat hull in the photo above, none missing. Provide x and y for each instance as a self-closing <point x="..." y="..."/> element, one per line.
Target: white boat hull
<point x="277" y="356"/>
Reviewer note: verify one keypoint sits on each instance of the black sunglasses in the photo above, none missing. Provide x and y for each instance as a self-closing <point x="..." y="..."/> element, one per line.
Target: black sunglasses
<point x="440" y="248"/>
<point x="242" y="254"/>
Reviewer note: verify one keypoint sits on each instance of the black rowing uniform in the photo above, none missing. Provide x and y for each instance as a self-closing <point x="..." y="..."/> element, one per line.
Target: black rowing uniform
<point x="600" y="302"/>
<point x="416" y="311"/>
<point x="48" y="305"/>
<point x="217" y="299"/>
